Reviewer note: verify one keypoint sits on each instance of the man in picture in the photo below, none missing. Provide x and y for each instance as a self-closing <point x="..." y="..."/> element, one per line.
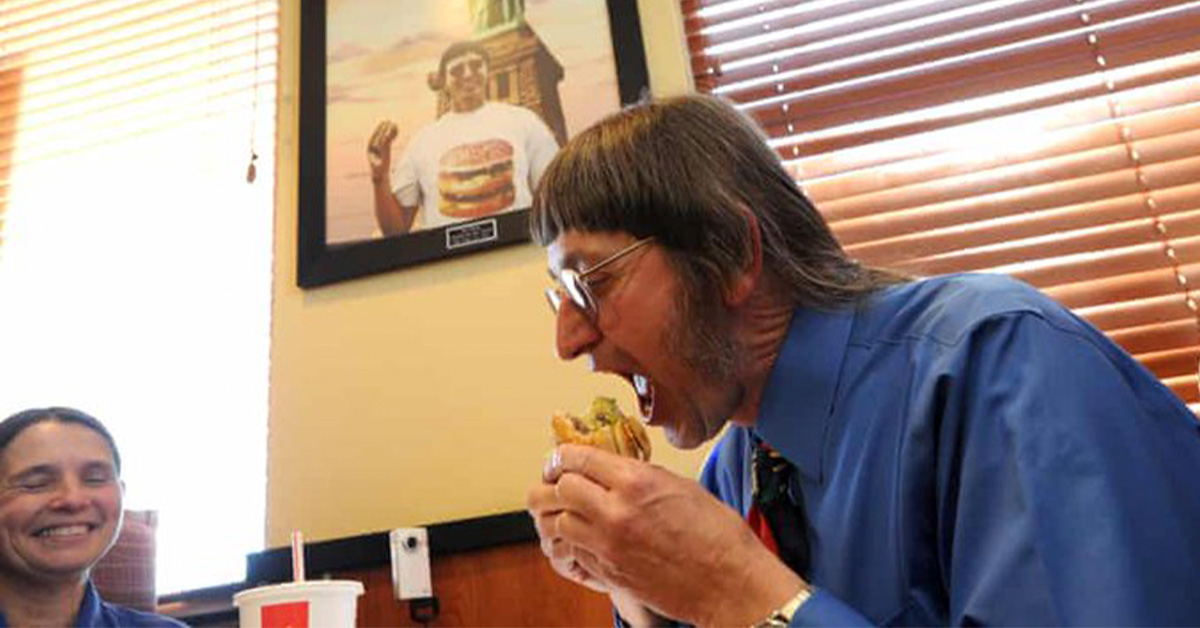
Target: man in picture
<point x="480" y="158"/>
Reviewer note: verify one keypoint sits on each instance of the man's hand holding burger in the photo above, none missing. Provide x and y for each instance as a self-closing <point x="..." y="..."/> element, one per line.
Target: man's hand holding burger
<point x="644" y="534"/>
<point x="393" y="217"/>
<point x="379" y="152"/>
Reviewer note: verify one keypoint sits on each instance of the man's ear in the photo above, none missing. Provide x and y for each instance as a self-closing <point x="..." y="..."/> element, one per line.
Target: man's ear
<point x="742" y="285"/>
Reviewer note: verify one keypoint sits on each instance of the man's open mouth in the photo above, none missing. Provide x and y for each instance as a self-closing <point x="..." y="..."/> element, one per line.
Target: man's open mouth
<point x="645" y="395"/>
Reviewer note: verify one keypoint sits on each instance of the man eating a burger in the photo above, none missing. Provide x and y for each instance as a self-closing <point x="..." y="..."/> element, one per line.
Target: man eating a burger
<point x="478" y="159"/>
<point x="953" y="450"/>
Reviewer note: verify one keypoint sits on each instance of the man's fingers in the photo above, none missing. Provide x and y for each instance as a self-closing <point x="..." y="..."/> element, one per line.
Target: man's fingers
<point x="546" y="523"/>
<point x="383" y="135"/>
<point x="578" y="494"/>
<point x="553" y="465"/>
<point x="585" y="559"/>
<point x="552" y="518"/>
<point x="602" y="467"/>
<point x="568" y="490"/>
<point x="576" y="572"/>
<point x="542" y="498"/>
<point x="388" y="133"/>
<point x="559" y="549"/>
<point x="564" y="526"/>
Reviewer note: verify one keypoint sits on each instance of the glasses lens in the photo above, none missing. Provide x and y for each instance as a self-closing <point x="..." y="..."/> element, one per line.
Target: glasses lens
<point x="554" y="297"/>
<point x="577" y="289"/>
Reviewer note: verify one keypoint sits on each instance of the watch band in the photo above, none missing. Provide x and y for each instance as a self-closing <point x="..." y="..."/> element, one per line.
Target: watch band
<point x="782" y="616"/>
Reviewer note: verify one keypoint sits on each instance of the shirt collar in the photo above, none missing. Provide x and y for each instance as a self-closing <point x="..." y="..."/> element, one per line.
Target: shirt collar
<point x="798" y="399"/>
<point x="89" y="609"/>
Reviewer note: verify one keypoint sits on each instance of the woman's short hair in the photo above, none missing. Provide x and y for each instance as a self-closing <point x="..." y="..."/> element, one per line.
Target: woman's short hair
<point x="12" y="427"/>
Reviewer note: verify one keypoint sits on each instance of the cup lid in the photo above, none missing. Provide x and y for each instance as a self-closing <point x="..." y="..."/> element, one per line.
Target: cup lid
<point x="295" y="590"/>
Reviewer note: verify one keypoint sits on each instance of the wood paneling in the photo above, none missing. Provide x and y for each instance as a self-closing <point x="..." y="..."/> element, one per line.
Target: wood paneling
<point x="509" y="585"/>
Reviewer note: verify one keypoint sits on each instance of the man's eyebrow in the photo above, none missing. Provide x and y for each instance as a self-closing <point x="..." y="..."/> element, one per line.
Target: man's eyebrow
<point x="569" y="260"/>
<point x="578" y="260"/>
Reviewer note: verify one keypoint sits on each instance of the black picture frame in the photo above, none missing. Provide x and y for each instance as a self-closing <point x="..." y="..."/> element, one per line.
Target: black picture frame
<point x="320" y="263"/>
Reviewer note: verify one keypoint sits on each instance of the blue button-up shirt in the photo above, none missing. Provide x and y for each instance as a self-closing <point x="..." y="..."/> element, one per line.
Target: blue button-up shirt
<point x="96" y="613"/>
<point x="970" y="452"/>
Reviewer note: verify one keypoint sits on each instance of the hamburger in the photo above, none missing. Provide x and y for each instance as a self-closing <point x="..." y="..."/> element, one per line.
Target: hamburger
<point x="476" y="179"/>
<point x="605" y="427"/>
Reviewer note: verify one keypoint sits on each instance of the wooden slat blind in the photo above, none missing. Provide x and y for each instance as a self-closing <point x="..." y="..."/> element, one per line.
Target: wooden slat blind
<point x="1055" y="140"/>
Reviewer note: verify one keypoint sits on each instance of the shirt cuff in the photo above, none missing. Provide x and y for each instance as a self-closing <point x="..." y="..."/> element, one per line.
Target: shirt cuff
<point x="824" y="609"/>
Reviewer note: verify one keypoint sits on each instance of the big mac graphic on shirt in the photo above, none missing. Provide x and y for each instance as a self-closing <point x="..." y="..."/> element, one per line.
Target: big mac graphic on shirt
<point x="476" y="179"/>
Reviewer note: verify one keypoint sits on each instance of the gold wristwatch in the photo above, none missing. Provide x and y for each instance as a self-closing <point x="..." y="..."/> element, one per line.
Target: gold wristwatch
<point x="782" y="616"/>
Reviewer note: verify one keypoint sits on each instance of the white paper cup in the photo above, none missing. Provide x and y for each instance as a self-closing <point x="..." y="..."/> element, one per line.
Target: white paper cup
<point x="308" y="604"/>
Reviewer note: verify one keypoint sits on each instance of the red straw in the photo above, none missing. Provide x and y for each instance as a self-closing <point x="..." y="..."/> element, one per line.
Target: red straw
<point x="297" y="556"/>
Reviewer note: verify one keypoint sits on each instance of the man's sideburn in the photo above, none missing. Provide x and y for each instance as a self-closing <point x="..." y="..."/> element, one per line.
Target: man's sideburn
<point x="701" y="335"/>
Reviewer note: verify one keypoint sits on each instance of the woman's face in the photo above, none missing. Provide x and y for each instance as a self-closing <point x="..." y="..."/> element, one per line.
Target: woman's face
<point x="60" y="502"/>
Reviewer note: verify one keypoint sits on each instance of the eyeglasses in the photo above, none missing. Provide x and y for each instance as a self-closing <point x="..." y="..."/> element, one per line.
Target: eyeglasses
<point x="576" y="286"/>
<point x="459" y="67"/>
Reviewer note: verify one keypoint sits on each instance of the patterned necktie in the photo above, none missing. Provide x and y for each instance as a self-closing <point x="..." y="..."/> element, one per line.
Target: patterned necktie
<point x="776" y="515"/>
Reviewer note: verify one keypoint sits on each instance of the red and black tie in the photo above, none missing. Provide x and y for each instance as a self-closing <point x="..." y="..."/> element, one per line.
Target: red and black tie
<point x="776" y="512"/>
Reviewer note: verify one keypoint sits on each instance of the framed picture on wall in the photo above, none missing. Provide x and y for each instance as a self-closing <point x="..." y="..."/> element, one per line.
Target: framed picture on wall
<point x="424" y="124"/>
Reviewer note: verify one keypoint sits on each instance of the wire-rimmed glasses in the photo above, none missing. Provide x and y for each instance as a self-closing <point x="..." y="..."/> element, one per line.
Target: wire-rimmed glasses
<point x="575" y="284"/>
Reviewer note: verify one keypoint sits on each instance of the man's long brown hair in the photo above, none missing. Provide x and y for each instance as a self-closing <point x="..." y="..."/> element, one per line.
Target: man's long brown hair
<point x="684" y="170"/>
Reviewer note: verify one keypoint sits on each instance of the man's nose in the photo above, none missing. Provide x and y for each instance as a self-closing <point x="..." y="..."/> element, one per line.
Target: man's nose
<point x="575" y="332"/>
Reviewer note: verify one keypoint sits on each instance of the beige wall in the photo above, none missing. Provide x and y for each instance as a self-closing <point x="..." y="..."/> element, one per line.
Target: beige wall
<point x="422" y="395"/>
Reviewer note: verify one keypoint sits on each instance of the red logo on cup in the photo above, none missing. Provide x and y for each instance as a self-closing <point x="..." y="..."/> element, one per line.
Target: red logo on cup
<point x="286" y="615"/>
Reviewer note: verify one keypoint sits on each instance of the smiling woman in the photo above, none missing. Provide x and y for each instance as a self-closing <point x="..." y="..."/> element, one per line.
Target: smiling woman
<point x="60" y="510"/>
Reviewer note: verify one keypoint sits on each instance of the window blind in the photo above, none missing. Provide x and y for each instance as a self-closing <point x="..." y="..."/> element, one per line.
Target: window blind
<point x="90" y="72"/>
<point x="1054" y="140"/>
<point x="135" y="256"/>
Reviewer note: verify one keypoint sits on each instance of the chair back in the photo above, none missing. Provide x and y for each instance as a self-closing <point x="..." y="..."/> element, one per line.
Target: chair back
<point x="125" y="576"/>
